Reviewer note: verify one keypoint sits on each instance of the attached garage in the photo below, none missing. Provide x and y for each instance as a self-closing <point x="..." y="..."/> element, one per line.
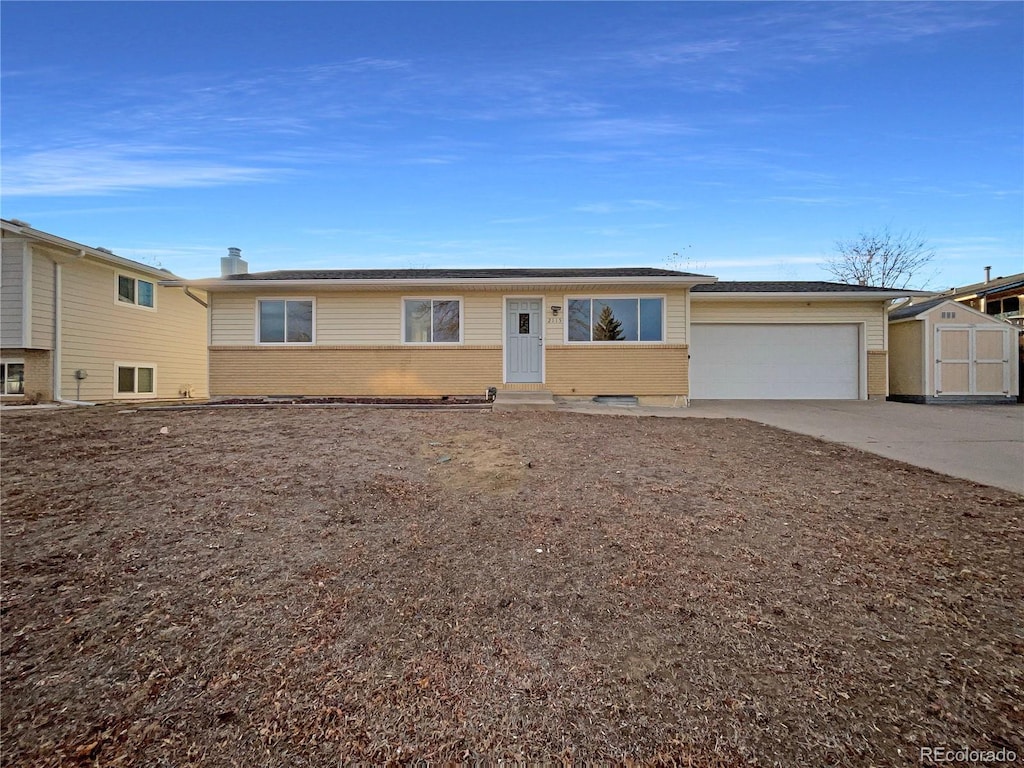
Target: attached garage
<point x="779" y="361"/>
<point x="789" y="340"/>
<point x="944" y="351"/>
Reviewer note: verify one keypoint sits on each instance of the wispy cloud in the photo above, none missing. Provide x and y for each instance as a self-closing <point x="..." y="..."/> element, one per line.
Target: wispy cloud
<point x="728" y="53"/>
<point x="99" y="170"/>
<point x="624" y="206"/>
<point x="626" y="129"/>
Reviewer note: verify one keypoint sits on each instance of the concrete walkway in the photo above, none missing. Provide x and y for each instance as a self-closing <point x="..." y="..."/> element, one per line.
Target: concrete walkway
<point x="983" y="443"/>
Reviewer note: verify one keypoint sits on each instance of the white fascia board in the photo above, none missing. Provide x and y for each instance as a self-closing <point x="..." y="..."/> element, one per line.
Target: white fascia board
<point x="804" y="296"/>
<point x="480" y="282"/>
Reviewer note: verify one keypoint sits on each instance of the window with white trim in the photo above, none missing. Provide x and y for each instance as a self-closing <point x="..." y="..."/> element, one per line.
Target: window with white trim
<point x="608" y="319"/>
<point x="12" y="376"/>
<point x="135" y="291"/>
<point x="432" y="321"/>
<point x="285" y="321"/>
<point x="136" y="379"/>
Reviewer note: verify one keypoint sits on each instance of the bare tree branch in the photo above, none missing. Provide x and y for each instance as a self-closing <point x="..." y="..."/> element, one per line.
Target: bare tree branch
<point x="880" y="258"/>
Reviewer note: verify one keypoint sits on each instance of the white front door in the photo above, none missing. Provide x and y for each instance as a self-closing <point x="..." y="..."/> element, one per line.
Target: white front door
<point x="524" y="341"/>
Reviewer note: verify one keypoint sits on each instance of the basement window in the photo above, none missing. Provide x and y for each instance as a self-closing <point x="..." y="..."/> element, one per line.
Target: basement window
<point x="136" y="379"/>
<point x="12" y="376"/>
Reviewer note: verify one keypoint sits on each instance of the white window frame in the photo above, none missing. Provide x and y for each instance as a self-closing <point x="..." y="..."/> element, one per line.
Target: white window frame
<point x="432" y="299"/>
<point x="136" y="394"/>
<point x="600" y="297"/>
<point x="125" y="303"/>
<point x="286" y="343"/>
<point x="3" y="380"/>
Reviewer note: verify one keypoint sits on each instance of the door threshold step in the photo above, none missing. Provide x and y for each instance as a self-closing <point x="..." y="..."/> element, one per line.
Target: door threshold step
<point x="517" y="400"/>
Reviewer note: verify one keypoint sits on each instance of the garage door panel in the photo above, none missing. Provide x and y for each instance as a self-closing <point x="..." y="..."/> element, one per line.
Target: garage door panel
<point x="775" y="361"/>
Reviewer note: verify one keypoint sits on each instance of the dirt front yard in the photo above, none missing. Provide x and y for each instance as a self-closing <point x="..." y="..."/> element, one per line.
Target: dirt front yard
<point x="318" y="586"/>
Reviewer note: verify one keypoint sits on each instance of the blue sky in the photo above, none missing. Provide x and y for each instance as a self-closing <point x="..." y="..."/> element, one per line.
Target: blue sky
<point x="746" y="137"/>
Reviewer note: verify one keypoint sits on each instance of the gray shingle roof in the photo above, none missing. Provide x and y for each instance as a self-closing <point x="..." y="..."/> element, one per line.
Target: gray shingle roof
<point x="456" y="274"/>
<point x="787" y="286"/>
<point x="916" y="309"/>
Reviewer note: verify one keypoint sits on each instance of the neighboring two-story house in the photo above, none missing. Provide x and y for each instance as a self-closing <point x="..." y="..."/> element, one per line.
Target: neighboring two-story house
<point x="81" y="323"/>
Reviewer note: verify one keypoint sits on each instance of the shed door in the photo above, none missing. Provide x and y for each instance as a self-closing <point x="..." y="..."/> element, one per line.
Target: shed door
<point x="971" y="361"/>
<point x="775" y="361"/>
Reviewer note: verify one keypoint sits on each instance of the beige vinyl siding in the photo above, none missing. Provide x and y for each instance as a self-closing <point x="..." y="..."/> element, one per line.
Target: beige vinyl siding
<point x="42" y="301"/>
<point x="232" y="318"/>
<point x="424" y="371"/>
<point x="906" y="366"/>
<point x="97" y="332"/>
<point x="871" y="313"/>
<point x="12" y="261"/>
<point x="374" y="318"/>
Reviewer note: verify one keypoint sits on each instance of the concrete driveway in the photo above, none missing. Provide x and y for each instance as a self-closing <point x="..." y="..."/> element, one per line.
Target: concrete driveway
<point x="983" y="443"/>
<point x="976" y="442"/>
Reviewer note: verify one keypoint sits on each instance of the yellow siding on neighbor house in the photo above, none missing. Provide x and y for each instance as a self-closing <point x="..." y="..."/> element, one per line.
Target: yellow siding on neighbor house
<point x="42" y="301"/>
<point x="12" y="267"/>
<point x="642" y="369"/>
<point x="871" y="313"/>
<point x="355" y="370"/>
<point x="906" y="366"/>
<point x="98" y="331"/>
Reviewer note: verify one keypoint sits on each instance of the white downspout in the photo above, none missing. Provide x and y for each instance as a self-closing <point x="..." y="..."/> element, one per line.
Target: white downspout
<point x="56" y="330"/>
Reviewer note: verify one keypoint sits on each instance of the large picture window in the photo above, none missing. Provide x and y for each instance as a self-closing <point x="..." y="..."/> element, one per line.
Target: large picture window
<point x="432" y="321"/>
<point x="12" y="378"/>
<point x="132" y="290"/>
<point x="615" y="319"/>
<point x="286" y="321"/>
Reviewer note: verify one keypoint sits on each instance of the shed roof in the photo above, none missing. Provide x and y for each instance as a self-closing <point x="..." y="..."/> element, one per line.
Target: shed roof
<point x="913" y="310"/>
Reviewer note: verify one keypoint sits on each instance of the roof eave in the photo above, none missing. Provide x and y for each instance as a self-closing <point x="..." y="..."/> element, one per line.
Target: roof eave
<point x="804" y="295"/>
<point x="483" y="282"/>
<point x="78" y="250"/>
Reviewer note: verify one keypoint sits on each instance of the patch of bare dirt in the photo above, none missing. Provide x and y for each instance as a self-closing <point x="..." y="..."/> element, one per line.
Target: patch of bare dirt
<point x="313" y="586"/>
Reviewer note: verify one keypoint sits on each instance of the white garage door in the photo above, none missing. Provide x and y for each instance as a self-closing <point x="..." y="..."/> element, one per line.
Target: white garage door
<point x="774" y="362"/>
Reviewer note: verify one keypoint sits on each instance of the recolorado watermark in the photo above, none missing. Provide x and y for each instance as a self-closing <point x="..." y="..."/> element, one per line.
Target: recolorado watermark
<point x="937" y="755"/>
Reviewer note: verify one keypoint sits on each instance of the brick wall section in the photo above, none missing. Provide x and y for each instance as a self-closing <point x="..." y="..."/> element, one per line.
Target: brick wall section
<point x="878" y="373"/>
<point x="366" y="370"/>
<point x="390" y="371"/>
<point x="654" y="369"/>
<point x="38" y="373"/>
